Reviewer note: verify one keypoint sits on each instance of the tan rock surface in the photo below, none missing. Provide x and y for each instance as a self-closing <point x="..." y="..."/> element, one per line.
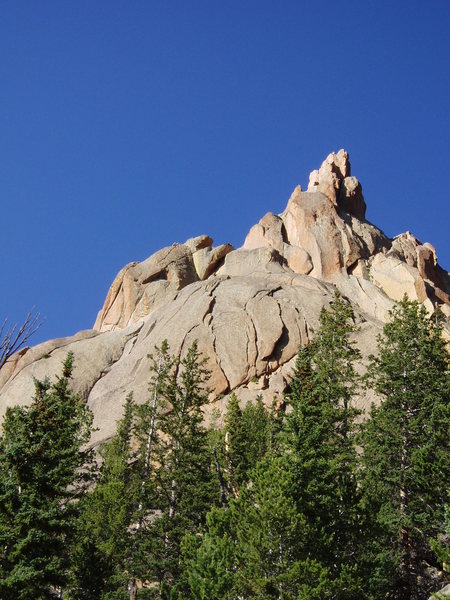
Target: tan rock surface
<point x="442" y="594"/>
<point x="316" y="234"/>
<point x="248" y="262"/>
<point x="142" y="287"/>
<point x="268" y="232"/>
<point x="250" y="309"/>
<point x="173" y="264"/>
<point x="198" y="243"/>
<point x="410" y="267"/>
<point x="207" y="260"/>
<point x="94" y="356"/>
<point x="313" y="224"/>
<point x="396" y="278"/>
<point x="328" y="178"/>
<point x="298" y="259"/>
<point x="351" y="199"/>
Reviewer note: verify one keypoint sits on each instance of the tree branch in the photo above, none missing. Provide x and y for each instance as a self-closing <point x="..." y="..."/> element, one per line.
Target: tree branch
<point x="13" y="338"/>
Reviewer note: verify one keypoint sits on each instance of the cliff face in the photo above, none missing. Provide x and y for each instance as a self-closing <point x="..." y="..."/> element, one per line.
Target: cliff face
<point x="250" y="309"/>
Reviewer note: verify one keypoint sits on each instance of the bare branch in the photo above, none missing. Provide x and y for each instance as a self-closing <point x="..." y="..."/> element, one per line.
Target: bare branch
<point x="13" y="338"/>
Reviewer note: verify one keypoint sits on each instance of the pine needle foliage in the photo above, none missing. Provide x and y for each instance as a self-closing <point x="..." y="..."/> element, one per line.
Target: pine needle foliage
<point x="320" y="440"/>
<point x="180" y="481"/>
<point x="248" y="438"/>
<point x="406" y="455"/>
<point x="42" y="471"/>
<point x="99" y="564"/>
<point x="252" y="548"/>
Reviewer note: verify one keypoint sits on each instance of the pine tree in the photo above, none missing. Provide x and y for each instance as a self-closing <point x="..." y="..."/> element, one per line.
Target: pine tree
<point x="292" y="531"/>
<point x="41" y="471"/>
<point x="270" y="538"/>
<point x="255" y="546"/>
<point x="234" y="445"/>
<point x="406" y="452"/>
<point x="180" y="483"/>
<point x="248" y="437"/>
<point x="320" y="444"/>
<point x="106" y="513"/>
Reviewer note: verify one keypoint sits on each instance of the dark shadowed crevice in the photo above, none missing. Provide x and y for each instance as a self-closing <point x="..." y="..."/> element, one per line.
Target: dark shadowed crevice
<point x="280" y="345"/>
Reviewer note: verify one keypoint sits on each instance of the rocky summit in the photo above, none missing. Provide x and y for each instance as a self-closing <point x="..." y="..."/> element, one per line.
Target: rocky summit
<point x="250" y="308"/>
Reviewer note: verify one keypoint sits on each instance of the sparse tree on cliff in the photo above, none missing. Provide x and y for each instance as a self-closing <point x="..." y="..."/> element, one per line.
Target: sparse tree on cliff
<point x="13" y="338"/>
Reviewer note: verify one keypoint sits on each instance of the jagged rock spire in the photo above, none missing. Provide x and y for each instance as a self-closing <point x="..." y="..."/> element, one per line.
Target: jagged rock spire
<point x="250" y="309"/>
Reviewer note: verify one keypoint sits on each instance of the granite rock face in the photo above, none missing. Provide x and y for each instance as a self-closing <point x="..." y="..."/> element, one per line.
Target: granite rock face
<point x="140" y="288"/>
<point x="250" y="309"/>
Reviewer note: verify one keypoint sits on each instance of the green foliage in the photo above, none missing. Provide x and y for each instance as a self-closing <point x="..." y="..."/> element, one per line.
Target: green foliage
<point x="253" y="547"/>
<point x="248" y="437"/>
<point x="209" y="561"/>
<point x="41" y="475"/>
<point x="179" y="480"/>
<point x="441" y="545"/>
<point x="292" y="529"/>
<point x="320" y="436"/>
<point x="406" y="455"/>
<point x="273" y="506"/>
<point x="268" y="531"/>
<point x="104" y="539"/>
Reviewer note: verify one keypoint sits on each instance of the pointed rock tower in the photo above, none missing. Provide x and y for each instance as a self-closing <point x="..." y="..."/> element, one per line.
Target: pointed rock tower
<point x="250" y="309"/>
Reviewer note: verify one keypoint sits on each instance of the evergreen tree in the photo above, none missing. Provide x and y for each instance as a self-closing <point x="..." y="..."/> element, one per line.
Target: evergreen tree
<point x="320" y="444"/>
<point x="248" y="437"/>
<point x="406" y="452"/>
<point x="441" y="545"/>
<point x="292" y="532"/>
<point x="255" y="546"/>
<point x="104" y="537"/>
<point x="41" y="461"/>
<point x="180" y="483"/>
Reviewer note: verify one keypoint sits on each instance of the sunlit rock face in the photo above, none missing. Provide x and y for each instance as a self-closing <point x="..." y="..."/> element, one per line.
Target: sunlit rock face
<point x="250" y="309"/>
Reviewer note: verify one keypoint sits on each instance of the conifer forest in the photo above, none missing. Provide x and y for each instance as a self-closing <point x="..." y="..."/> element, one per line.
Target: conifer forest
<point x="307" y="499"/>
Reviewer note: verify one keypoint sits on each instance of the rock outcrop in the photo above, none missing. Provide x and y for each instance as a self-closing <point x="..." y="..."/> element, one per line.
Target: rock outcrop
<point x="250" y="309"/>
<point x="142" y="287"/>
<point x="322" y="232"/>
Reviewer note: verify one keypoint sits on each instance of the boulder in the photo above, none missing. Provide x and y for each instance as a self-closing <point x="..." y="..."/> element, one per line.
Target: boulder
<point x="241" y="263"/>
<point x="198" y="243"/>
<point x="397" y="278"/>
<point x="268" y="232"/>
<point x="443" y="594"/>
<point x="298" y="259"/>
<point x="208" y="260"/>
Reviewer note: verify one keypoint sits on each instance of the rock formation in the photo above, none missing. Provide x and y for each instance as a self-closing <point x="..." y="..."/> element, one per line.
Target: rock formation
<point x="250" y="309"/>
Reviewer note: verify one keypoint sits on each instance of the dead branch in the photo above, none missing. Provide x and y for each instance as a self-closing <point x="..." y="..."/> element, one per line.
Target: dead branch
<point x="13" y="337"/>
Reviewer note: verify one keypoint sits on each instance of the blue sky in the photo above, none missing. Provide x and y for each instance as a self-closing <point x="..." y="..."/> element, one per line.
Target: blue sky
<point x="127" y="126"/>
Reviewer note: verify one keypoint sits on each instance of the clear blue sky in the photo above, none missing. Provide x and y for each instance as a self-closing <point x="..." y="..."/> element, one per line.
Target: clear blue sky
<point x="126" y="126"/>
